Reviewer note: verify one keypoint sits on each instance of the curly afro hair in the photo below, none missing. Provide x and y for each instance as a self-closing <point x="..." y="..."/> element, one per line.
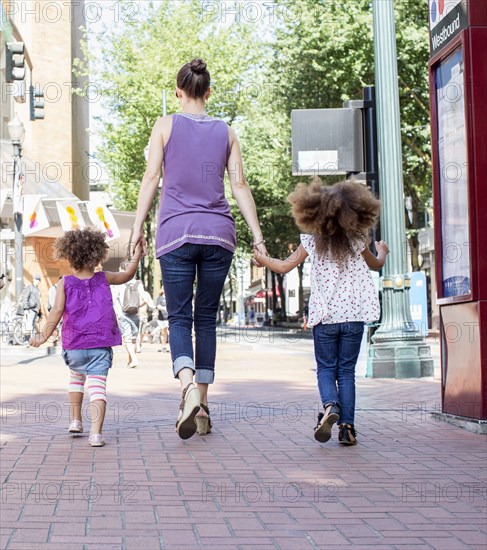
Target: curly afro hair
<point x="83" y="248"/>
<point x="336" y="215"/>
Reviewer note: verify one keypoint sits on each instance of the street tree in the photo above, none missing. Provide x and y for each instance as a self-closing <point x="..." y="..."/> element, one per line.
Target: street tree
<point x="324" y="55"/>
<point x="133" y="63"/>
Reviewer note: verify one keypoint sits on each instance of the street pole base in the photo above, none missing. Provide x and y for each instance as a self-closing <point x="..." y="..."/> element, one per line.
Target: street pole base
<point x="470" y="424"/>
<point x="401" y="359"/>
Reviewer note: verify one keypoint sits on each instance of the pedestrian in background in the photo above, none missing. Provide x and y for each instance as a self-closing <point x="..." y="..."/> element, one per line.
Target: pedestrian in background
<point x="31" y="303"/>
<point x="51" y="296"/>
<point x="127" y="300"/>
<point x="337" y="220"/>
<point x="252" y="316"/>
<point x="90" y="329"/>
<point x="162" y="318"/>
<point x="148" y="304"/>
<point x="195" y="238"/>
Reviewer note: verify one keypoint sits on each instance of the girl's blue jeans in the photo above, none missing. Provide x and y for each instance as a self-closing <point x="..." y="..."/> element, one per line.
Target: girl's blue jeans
<point x="208" y="266"/>
<point x="337" y="347"/>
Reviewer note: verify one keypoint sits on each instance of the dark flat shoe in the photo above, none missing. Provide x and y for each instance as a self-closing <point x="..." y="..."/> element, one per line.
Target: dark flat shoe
<point x="347" y="435"/>
<point x="326" y="421"/>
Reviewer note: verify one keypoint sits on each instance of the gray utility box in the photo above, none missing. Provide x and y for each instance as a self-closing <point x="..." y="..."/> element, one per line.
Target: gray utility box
<point x="327" y="141"/>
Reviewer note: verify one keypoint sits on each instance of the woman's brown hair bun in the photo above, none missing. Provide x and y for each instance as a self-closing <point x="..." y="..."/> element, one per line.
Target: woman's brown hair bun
<point x="194" y="78"/>
<point x="198" y="66"/>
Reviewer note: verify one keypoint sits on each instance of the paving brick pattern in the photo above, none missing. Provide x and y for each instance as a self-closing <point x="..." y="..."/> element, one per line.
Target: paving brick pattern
<point x="258" y="481"/>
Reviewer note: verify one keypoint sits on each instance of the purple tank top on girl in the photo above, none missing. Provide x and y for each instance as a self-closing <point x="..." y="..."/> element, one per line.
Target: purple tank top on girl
<point x="193" y="207"/>
<point x="89" y="320"/>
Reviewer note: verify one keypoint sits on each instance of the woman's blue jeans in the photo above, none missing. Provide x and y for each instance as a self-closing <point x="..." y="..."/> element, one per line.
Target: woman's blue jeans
<point x="337" y="347"/>
<point x="208" y="266"/>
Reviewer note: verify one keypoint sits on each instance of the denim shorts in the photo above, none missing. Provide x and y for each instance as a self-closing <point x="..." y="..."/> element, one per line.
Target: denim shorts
<point x="89" y="361"/>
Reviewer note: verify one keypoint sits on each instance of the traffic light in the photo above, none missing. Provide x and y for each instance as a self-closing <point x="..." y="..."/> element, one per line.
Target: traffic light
<point x="36" y="103"/>
<point x="15" y="69"/>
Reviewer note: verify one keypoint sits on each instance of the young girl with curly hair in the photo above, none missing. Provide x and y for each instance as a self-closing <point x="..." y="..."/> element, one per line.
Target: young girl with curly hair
<point x="84" y="302"/>
<point x="337" y="220"/>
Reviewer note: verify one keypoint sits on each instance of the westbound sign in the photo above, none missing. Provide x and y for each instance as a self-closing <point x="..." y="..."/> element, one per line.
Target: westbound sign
<point x="447" y="19"/>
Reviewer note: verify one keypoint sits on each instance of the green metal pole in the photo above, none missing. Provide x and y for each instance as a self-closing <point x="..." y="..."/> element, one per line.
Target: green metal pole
<point x="398" y="349"/>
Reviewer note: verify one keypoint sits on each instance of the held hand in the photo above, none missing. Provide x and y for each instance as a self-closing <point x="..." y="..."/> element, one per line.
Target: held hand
<point x="259" y="257"/>
<point x="260" y="248"/>
<point x="137" y="251"/>
<point x="138" y="239"/>
<point x="37" y="340"/>
<point x="381" y="246"/>
<point x="259" y="251"/>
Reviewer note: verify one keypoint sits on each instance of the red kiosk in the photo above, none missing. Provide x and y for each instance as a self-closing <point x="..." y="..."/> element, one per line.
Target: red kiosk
<point x="458" y="95"/>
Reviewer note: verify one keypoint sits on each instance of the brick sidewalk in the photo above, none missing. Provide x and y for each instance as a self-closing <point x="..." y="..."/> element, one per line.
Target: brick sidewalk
<point x="259" y="481"/>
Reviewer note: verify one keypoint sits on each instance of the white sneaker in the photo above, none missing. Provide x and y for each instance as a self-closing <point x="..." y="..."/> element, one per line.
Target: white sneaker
<point x="75" y="427"/>
<point x="96" y="440"/>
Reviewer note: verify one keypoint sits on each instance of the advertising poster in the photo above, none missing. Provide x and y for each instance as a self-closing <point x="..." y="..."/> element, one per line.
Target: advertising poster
<point x="418" y="301"/>
<point x="103" y="219"/>
<point x="452" y="151"/>
<point x="35" y="217"/>
<point x="70" y="215"/>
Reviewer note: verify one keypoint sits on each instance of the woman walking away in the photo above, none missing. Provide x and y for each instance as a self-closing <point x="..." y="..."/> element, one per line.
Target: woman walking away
<point x="84" y="302"/>
<point x="196" y="232"/>
<point x="337" y="221"/>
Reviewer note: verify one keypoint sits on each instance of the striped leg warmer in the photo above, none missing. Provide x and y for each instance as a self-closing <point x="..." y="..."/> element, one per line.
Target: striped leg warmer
<point x="97" y="387"/>
<point x="76" y="382"/>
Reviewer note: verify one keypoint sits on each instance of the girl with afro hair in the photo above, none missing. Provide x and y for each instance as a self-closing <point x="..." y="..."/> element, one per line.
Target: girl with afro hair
<point x="84" y="302"/>
<point x="336" y="220"/>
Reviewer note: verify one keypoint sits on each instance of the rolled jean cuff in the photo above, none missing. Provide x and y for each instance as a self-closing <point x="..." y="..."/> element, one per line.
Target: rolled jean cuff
<point x="204" y="376"/>
<point x="182" y="362"/>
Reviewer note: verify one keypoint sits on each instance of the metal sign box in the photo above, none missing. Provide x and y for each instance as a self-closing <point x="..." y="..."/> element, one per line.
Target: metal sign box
<point x="327" y="141"/>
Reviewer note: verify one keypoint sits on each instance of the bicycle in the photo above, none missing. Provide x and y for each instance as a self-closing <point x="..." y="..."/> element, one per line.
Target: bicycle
<point x="13" y="328"/>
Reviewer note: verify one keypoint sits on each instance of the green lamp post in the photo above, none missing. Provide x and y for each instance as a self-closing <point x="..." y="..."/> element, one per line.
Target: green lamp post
<point x="398" y="348"/>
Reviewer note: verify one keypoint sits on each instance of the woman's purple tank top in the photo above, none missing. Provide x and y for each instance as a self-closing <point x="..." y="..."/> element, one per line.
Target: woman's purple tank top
<point x="193" y="207"/>
<point x="89" y="320"/>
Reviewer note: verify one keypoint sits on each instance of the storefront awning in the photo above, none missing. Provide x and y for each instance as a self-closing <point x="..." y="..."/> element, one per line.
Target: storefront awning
<point x="262" y="293"/>
<point x="50" y="192"/>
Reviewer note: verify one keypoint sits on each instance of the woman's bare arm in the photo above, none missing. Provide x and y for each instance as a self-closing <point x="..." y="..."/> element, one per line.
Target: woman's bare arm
<point x="150" y="180"/>
<point x="241" y="190"/>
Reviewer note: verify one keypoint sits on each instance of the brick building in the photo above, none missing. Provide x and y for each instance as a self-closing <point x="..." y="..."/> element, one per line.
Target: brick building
<point x="55" y="150"/>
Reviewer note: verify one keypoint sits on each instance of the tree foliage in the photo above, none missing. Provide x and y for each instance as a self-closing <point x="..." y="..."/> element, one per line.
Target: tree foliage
<point x="318" y="55"/>
<point x="324" y="55"/>
<point x="131" y="65"/>
<point x="136" y="63"/>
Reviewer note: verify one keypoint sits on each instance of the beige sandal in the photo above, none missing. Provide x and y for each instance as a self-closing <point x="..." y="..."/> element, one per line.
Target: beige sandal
<point x="190" y="405"/>
<point x="203" y="423"/>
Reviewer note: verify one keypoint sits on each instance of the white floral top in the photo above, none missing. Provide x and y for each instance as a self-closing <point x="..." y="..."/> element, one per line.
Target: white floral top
<point x="340" y="293"/>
